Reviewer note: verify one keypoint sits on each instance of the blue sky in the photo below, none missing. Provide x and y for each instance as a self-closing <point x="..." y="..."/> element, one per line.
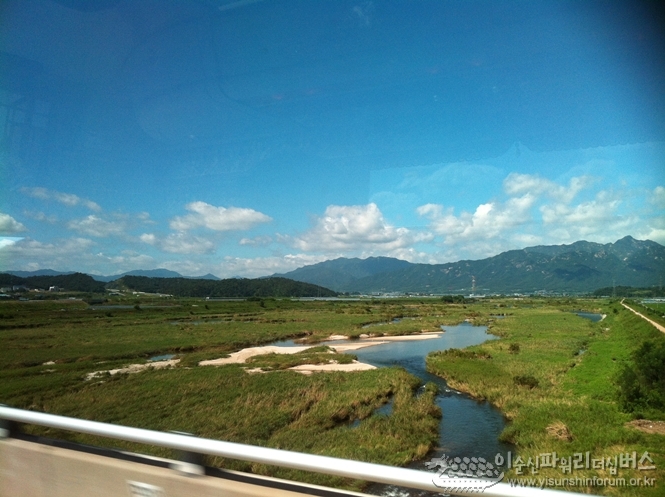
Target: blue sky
<point x="249" y="138"/>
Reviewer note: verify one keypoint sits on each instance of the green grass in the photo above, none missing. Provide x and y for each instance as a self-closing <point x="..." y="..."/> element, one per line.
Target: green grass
<point x="655" y="312"/>
<point x="573" y="408"/>
<point x="49" y="347"/>
<point x="282" y="409"/>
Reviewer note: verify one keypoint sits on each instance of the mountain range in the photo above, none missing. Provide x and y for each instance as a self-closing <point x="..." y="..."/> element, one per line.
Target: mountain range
<point x="150" y="273"/>
<point x="578" y="267"/>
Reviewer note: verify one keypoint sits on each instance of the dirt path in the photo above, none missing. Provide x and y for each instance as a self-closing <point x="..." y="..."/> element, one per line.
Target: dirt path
<point x="658" y="326"/>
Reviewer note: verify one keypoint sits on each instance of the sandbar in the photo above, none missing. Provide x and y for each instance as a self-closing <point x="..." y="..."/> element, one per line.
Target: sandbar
<point x="313" y="368"/>
<point x="400" y="338"/>
<point x="242" y="355"/>
<point x="135" y="368"/>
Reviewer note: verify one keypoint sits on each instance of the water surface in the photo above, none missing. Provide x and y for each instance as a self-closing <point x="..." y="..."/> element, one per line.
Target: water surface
<point x="468" y="427"/>
<point x="592" y="316"/>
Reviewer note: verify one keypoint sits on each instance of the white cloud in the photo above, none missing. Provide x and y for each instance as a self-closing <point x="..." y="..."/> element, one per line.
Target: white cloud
<point x="148" y="238"/>
<point x="37" y="192"/>
<point x="40" y="216"/>
<point x="657" y="197"/>
<point x="355" y="228"/>
<point x="9" y="225"/>
<point x="7" y="241"/>
<point x="218" y="218"/>
<point x="95" y="226"/>
<point x="256" y="241"/>
<point x="654" y="234"/>
<point x="33" y="248"/>
<point x="603" y="219"/>
<point x="600" y="210"/>
<point x="63" y="255"/>
<point x="180" y="242"/>
<point x="520" y="184"/>
<point x="183" y="243"/>
<point x="263" y="266"/>
<point x="490" y="220"/>
<point x="68" y="199"/>
<point x="128" y="260"/>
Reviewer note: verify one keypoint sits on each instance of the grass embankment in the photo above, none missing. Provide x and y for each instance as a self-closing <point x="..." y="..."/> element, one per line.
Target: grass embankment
<point x="283" y="410"/>
<point x="554" y="375"/>
<point x="48" y="348"/>
<point x="654" y="311"/>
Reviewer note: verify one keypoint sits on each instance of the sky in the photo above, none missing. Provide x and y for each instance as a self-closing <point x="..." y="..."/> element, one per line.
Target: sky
<point x="247" y="138"/>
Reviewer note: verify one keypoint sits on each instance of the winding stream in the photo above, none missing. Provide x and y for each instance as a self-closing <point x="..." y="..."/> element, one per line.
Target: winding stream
<point x="468" y="427"/>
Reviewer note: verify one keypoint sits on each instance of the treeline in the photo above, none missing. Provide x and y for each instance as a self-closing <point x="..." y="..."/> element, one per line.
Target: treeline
<point x="75" y="282"/>
<point x="453" y="299"/>
<point x="630" y="291"/>
<point x="234" y="287"/>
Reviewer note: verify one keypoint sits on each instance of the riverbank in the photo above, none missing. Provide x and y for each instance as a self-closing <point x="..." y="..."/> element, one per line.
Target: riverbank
<point x="242" y="356"/>
<point x="133" y="368"/>
<point x="553" y="376"/>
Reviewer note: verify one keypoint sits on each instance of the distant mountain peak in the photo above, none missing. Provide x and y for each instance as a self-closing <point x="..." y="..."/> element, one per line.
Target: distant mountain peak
<point x="208" y="276"/>
<point x="581" y="266"/>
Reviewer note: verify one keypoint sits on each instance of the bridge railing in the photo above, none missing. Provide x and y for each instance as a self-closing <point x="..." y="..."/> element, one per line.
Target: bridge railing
<point x="391" y="475"/>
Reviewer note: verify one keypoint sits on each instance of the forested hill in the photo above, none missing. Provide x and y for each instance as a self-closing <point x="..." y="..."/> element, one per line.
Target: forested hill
<point x="75" y="282"/>
<point x="235" y="287"/>
<point x="178" y="287"/>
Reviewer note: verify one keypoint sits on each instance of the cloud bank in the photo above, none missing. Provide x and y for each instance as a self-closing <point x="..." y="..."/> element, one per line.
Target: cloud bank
<point x="355" y="229"/>
<point x="203" y="215"/>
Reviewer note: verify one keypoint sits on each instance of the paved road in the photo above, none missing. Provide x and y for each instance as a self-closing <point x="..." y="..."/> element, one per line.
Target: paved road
<point x="658" y="326"/>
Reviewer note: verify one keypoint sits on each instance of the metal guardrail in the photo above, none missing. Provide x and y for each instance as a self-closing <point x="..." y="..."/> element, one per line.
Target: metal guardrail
<point x="402" y="477"/>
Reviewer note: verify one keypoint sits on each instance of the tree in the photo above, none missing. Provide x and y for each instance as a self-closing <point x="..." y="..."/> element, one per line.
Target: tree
<point x="642" y="382"/>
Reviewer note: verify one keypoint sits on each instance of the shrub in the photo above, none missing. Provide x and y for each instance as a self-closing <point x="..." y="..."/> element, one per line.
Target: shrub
<point x="514" y="348"/>
<point x="642" y="382"/>
<point x="464" y="353"/>
<point x="525" y="381"/>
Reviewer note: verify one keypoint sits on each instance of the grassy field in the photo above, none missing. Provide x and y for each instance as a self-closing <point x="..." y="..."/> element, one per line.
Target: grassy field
<point x="50" y="347"/>
<point x="554" y="375"/>
<point x="654" y="311"/>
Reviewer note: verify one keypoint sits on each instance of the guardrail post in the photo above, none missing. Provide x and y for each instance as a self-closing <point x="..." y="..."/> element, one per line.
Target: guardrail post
<point x="189" y="463"/>
<point x="7" y="427"/>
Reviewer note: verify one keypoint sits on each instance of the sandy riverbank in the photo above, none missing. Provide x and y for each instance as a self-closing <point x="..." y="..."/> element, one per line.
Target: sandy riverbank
<point x="401" y="338"/>
<point x="241" y="356"/>
<point x="134" y="368"/>
<point x="389" y="338"/>
<point x="313" y="368"/>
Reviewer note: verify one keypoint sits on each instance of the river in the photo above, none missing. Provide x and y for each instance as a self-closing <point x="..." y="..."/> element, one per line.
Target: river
<point x="468" y="427"/>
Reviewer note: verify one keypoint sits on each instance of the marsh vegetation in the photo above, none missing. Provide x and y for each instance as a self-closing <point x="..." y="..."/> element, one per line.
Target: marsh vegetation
<point x="556" y="398"/>
<point x="561" y="388"/>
